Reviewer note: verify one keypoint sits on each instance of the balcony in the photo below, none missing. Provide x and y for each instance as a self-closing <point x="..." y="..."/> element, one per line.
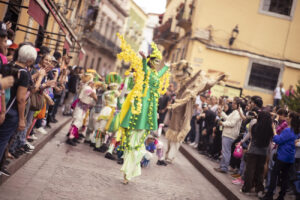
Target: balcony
<point x="184" y="15"/>
<point x="164" y="36"/>
<point x="105" y="45"/>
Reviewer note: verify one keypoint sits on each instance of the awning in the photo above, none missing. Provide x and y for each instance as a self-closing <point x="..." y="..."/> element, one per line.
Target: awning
<point x="38" y="11"/>
<point x="81" y="53"/>
<point x="67" y="44"/>
<point x="56" y="17"/>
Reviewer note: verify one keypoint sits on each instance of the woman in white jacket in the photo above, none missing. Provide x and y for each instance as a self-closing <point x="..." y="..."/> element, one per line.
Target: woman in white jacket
<point x="231" y="130"/>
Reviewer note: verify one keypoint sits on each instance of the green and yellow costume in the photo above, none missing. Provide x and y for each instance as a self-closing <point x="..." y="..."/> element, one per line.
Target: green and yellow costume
<point x="139" y="111"/>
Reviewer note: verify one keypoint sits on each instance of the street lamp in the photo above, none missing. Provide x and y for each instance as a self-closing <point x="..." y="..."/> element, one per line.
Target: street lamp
<point x="234" y="34"/>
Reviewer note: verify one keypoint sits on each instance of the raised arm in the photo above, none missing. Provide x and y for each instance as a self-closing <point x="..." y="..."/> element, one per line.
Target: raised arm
<point x="163" y="71"/>
<point x="144" y="61"/>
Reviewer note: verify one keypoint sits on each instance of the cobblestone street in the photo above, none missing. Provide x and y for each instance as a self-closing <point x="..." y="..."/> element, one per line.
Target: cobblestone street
<point x="59" y="171"/>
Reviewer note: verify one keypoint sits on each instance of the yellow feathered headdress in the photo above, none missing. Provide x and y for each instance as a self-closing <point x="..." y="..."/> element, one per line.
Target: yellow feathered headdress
<point x="155" y="52"/>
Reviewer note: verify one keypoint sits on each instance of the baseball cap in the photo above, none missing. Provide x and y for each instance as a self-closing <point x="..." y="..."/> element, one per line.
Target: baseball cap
<point x="3" y="30"/>
<point x="13" y="46"/>
<point x="8" y="43"/>
<point x="53" y="59"/>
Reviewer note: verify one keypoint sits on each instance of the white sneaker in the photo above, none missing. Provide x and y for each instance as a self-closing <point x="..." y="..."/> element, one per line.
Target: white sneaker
<point x="33" y="137"/>
<point x="31" y="147"/>
<point x="195" y="145"/>
<point x="41" y="130"/>
<point x="192" y="144"/>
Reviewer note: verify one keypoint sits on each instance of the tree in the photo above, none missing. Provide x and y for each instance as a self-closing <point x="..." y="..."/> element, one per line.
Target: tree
<point x="293" y="100"/>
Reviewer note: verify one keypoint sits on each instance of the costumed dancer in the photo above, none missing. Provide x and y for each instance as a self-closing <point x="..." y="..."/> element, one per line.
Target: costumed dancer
<point x="87" y="97"/>
<point x="94" y="113"/>
<point x="139" y="111"/>
<point x="191" y="84"/>
<point x="107" y="122"/>
<point x="126" y="87"/>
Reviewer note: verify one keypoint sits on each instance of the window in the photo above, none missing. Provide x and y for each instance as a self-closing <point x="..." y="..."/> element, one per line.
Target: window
<point x="282" y="8"/>
<point x="92" y="63"/>
<point x="182" y="54"/>
<point x="178" y="54"/>
<point x="98" y="64"/>
<point x="263" y="76"/>
<point x="85" y="62"/>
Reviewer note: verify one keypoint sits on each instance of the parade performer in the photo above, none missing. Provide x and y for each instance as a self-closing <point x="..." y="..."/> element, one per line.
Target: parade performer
<point x="87" y="97"/>
<point x="126" y="87"/>
<point x="191" y="84"/>
<point x="107" y="122"/>
<point x="139" y="111"/>
<point x="94" y="113"/>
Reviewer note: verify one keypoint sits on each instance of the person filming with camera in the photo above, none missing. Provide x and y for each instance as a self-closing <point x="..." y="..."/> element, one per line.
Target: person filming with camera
<point x="231" y="131"/>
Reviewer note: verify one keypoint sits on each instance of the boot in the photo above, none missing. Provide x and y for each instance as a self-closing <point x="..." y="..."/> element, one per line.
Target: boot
<point x="103" y="148"/>
<point x="120" y="161"/>
<point x="109" y="156"/>
<point x="70" y="142"/>
<point x="76" y="140"/>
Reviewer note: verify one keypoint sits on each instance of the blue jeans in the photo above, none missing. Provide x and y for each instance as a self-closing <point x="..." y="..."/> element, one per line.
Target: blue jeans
<point x="226" y="152"/>
<point x="20" y="136"/>
<point x="8" y="129"/>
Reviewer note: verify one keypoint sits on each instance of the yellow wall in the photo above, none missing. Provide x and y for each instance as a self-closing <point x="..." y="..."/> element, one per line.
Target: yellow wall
<point x="259" y="33"/>
<point x="290" y="76"/>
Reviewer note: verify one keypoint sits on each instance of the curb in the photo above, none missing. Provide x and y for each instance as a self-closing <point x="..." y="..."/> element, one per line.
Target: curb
<point x="228" y="194"/>
<point x="15" y="166"/>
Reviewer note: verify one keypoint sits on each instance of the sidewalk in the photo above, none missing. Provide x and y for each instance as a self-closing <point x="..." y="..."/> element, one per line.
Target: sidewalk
<point x="221" y="181"/>
<point x="42" y="140"/>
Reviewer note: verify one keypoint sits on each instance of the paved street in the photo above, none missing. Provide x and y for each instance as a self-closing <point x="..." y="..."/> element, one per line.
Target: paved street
<point x="59" y="171"/>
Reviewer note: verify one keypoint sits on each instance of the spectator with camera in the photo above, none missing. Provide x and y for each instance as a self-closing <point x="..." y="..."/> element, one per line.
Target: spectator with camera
<point x="231" y="131"/>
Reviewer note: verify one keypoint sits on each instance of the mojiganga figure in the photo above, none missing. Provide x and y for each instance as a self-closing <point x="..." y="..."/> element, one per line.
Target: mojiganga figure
<point x="191" y="84"/>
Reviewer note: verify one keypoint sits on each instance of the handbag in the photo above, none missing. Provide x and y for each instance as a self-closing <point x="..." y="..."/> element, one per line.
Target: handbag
<point x="238" y="151"/>
<point x="36" y="101"/>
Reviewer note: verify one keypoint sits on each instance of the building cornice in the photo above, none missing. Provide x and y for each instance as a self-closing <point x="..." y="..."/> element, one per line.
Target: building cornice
<point x="119" y="8"/>
<point x="246" y="53"/>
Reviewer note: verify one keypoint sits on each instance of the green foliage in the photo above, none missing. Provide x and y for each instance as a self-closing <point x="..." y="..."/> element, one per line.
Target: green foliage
<point x="293" y="100"/>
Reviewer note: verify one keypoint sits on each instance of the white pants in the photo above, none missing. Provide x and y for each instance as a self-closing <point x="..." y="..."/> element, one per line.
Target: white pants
<point x="173" y="148"/>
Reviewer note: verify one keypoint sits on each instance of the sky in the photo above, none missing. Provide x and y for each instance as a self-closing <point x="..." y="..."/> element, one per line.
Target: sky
<point x="152" y="6"/>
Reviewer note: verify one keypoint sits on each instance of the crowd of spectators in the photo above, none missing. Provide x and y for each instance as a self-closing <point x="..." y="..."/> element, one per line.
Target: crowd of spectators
<point x="257" y="144"/>
<point x="33" y="84"/>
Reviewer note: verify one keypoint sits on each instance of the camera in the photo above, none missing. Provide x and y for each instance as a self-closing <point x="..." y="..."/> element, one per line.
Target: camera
<point x="9" y="70"/>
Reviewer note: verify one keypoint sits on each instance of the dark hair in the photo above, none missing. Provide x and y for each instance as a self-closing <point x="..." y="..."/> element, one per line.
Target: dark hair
<point x="262" y="131"/>
<point x="57" y="55"/>
<point x="44" y="50"/>
<point x="43" y="57"/>
<point x="257" y="100"/>
<point x="282" y="112"/>
<point x="295" y="122"/>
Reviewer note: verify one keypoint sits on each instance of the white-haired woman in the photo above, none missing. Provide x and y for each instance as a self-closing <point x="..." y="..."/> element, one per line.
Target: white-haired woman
<point x="15" y="113"/>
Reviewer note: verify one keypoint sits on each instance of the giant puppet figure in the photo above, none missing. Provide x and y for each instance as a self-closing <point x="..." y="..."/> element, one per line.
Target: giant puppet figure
<point x="191" y="84"/>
